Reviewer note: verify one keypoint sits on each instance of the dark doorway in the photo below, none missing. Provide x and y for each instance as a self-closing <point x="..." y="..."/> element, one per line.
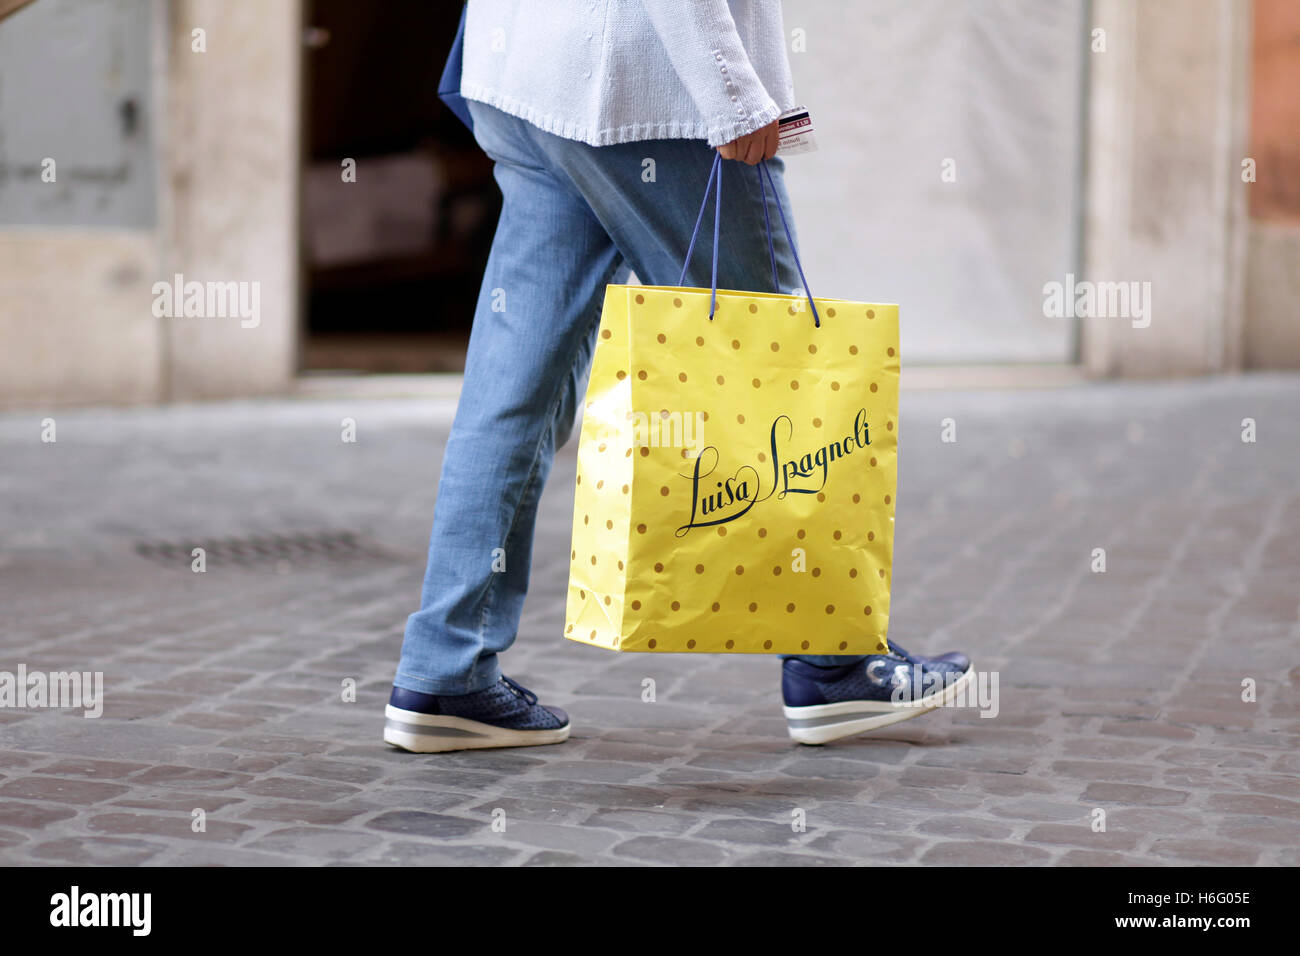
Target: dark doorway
<point x="391" y="261"/>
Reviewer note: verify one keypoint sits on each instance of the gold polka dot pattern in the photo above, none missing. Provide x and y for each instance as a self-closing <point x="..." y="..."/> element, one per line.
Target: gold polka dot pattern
<point x="656" y="567"/>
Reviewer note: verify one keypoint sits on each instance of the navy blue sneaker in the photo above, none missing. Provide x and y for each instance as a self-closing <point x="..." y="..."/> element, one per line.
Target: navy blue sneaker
<point x="504" y="715"/>
<point x="826" y="703"/>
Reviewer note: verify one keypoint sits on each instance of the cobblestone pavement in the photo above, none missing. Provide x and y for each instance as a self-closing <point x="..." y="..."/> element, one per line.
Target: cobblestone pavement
<point x="1119" y="691"/>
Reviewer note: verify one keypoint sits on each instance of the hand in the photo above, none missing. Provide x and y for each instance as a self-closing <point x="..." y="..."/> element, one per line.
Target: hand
<point x="753" y="147"/>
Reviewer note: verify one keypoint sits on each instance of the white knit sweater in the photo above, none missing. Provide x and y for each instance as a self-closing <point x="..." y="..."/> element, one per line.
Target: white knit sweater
<point x="616" y="71"/>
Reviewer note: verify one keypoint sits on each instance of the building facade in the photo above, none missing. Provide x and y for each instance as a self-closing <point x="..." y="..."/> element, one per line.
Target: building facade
<point x="1143" y="156"/>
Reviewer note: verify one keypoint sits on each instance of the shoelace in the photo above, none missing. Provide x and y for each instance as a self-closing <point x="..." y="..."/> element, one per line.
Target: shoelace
<point x="519" y="690"/>
<point x="900" y="651"/>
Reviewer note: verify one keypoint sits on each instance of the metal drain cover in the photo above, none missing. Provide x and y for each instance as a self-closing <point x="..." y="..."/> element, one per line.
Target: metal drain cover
<point x="298" y="548"/>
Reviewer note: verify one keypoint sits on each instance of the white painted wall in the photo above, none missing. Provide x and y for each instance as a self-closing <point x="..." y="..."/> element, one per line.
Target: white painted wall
<point x="897" y="86"/>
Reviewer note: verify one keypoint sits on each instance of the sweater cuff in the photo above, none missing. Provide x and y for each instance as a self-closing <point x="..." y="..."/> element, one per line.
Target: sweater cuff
<point x="752" y="122"/>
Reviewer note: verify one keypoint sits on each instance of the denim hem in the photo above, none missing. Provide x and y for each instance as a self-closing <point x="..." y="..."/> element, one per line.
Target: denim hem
<point x="826" y="660"/>
<point x="444" y="688"/>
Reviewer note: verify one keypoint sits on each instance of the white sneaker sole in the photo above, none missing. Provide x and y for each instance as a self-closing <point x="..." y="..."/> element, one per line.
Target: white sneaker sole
<point x="432" y="733"/>
<point x="822" y="723"/>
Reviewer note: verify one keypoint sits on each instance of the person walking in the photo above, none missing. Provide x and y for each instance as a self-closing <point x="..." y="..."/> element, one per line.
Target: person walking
<point x="574" y="101"/>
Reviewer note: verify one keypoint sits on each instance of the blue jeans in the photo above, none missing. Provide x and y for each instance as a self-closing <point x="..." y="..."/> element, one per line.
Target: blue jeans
<point x="574" y="219"/>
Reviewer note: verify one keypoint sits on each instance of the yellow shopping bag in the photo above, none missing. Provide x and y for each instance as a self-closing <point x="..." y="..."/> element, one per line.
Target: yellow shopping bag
<point x="736" y="474"/>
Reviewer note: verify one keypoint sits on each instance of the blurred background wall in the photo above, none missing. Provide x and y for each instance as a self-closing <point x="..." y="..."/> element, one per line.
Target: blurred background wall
<point x="948" y="177"/>
<point x="1272" y="294"/>
<point x="114" y="92"/>
<point x="971" y="151"/>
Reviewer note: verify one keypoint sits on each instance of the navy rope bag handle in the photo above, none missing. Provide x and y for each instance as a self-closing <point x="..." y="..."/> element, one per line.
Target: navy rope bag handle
<point x="715" y="174"/>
